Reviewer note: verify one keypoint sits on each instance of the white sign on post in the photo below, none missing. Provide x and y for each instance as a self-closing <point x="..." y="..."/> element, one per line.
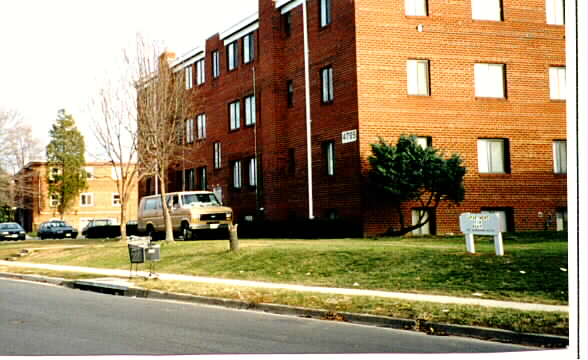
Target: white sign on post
<point x="481" y="224"/>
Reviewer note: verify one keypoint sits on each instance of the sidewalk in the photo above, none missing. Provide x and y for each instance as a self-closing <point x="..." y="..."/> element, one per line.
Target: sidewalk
<point x="324" y="290"/>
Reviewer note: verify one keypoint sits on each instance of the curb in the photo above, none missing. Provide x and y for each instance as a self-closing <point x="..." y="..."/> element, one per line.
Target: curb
<point x="431" y="328"/>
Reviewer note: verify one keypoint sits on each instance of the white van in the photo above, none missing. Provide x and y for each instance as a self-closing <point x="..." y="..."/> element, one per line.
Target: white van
<point x="190" y="211"/>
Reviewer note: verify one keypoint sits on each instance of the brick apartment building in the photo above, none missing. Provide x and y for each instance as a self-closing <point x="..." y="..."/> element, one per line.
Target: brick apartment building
<point x="481" y="78"/>
<point x="100" y="200"/>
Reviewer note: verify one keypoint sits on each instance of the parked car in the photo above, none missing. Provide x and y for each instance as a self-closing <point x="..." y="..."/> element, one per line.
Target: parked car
<point x="191" y="212"/>
<point x="11" y="231"/>
<point x="101" y="228"/>
<point x="56" y="229"/>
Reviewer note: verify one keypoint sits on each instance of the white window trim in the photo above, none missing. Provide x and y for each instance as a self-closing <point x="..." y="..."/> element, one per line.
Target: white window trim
<point x="87" y="195"/>
<point x="201" y="123"/>
<point x="486" y="161"/>
<point x="248" y="48"/>
<point x="253" y="172"/>
<point x="330" y="153"/>
<point x="415" y="7"/>
<point x="189" y="79"/>
<point x="237" y="178"/>
<point x="250" y="110"/>
<point x="217" y="155"/>
<point x="489" y="10"/>
<point x="325" y="12"/>
<point x="232" y="58"/>
<point x="327" y="84"/>
<point x="557" y="83"/>
<point x="417" y="77"/>
<point x="189" y="131"/>
<point x="560" y="162"/>
<point x="555" y="12"/>
<point x="200" y="72"/>
<point x="422" y="141"/>
<point x="235" y="115"/>
<point x="489" y="80"/>
<point x="114" y="202"/>
<point x="215" y="64"/>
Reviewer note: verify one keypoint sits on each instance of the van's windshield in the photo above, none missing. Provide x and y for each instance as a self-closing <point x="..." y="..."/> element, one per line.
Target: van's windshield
<point x="199" y="200"/>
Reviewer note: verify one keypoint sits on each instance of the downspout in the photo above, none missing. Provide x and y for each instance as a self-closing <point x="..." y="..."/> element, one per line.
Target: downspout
<point x="308" y="118"/>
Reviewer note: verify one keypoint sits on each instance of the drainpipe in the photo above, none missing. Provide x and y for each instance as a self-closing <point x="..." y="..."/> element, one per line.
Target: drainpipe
<point x="308" y="118"/>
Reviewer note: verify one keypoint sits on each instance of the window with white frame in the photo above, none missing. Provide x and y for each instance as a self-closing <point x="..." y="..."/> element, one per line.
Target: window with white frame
<point x="561" y="219"/>
<point x="421" y="215"/>
<point x="188" y="75"/>
<point x="250" y="110"/>
<point x="415" y="7"/>
<point x="252" y="170"/>
<point x="86" y="199"/>
<point x="116" y="199"/>
<point x="489" y="80"/>
<point x="232" y="56"/>
<point x="215" y="64"/>
<point x="417" y="72"/>
<point x="325" y="12"/>
<point x="234" y="115"/>
<point x="189" y="126"/>
<point x="248" y="48"/>
<point x="492" y="156"/>
<point x="423" y="141"/>
<point x="216" y="148"/>
<point x="201" y="120"/>
<point x="560" y="160"/>
<point x="487" y="10"/>
<point x="237" y="174"/>
<point x="53" y="200"/>
<point x="557" y="83"/>
<point x="200" y="78"/>
<point x="329" y="151"/>
<point x="327" y="84"/>
<point x="555" y="12"/>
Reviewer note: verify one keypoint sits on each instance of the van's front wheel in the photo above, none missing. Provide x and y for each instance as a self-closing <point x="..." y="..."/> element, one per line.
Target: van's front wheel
<point x="187" y="233"/>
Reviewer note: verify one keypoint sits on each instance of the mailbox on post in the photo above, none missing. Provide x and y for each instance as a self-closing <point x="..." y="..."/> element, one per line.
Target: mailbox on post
<point x="481" y="224"/>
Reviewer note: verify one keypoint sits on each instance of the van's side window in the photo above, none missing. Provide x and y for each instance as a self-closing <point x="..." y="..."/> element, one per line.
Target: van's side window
<point x="150" y="204"/>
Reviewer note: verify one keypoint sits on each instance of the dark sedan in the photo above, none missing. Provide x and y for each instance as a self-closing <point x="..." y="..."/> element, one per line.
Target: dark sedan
<point x="11" y="231"/>
<point x="56" y="230"/>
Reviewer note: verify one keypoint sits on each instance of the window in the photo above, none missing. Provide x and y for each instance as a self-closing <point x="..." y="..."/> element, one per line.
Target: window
<point x="189" y="131"/>
<point x="415" y="7"/>
<point x="287" y="23"/>
<point x="424" y="141"/>
<point x="560" y="153"/>
<point x="234" y="115"/>
<point x="417" y="72"/>
<point x="200" y="72"/>
<point x="89" y="172"/>
<point x="290" y="85"/>
<point x="232" y="56"/>
<point x="493" y="156"/>
<point x="555" y="13"/>
<point x="188" y="73"/>
<point x="489" y="80"/>
<point x="329" y="152"/>
<point x="325" y="9"/>
<point x="487" y="10"/>
<point x="237" y="174"/>
<point x="188" y="183"/>
<point x="250" y="110"/>
<point x="217" y="155"/>
<point x="201" y="123"/>
<point x="86" y="199"/>
<point x="202" y="182"/>
<point x="327" y="84"/>
<point x="115" y="199"/>
<point x="557" y="83"/>
<point x="252" y="171"/>
<point x="422" y="215"/>
<point x="248" y="48"/>
<point x="215" y="64"/>
<point x="54" y="173"/>
<point x="561" y="219"/>
<point x="54" y="200"/>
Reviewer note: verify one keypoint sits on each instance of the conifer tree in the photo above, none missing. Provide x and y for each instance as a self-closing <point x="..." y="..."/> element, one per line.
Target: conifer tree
<point x="66" y="175"/>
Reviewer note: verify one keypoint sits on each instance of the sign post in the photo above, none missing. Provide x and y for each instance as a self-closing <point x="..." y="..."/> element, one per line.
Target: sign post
<point x="481" y="224"/>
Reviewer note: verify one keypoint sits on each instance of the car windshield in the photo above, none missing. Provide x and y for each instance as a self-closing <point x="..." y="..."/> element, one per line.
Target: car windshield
<point x="9" y="226"/>
<point x="199" y="200"/>
<point x="100" y="222"/>
<point x="57" y="224"/>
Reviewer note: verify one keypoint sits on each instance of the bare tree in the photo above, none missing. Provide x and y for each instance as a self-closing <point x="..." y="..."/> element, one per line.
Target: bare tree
<point x="162" y="105"/>
<point x="116" y="132"/>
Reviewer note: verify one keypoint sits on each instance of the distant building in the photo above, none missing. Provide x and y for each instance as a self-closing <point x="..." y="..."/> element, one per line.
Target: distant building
<point x="485" y="79"/>
<point x="100" y="200"/>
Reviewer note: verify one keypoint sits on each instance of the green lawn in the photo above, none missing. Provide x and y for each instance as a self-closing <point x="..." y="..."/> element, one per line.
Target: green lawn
<point x="534" y="267"/>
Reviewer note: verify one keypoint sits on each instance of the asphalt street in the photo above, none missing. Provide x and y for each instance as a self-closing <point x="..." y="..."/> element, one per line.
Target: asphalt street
<point x="39" y="319"/>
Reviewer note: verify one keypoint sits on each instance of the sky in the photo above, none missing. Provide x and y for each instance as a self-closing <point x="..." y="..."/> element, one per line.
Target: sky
<point x="54" y="54"/>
